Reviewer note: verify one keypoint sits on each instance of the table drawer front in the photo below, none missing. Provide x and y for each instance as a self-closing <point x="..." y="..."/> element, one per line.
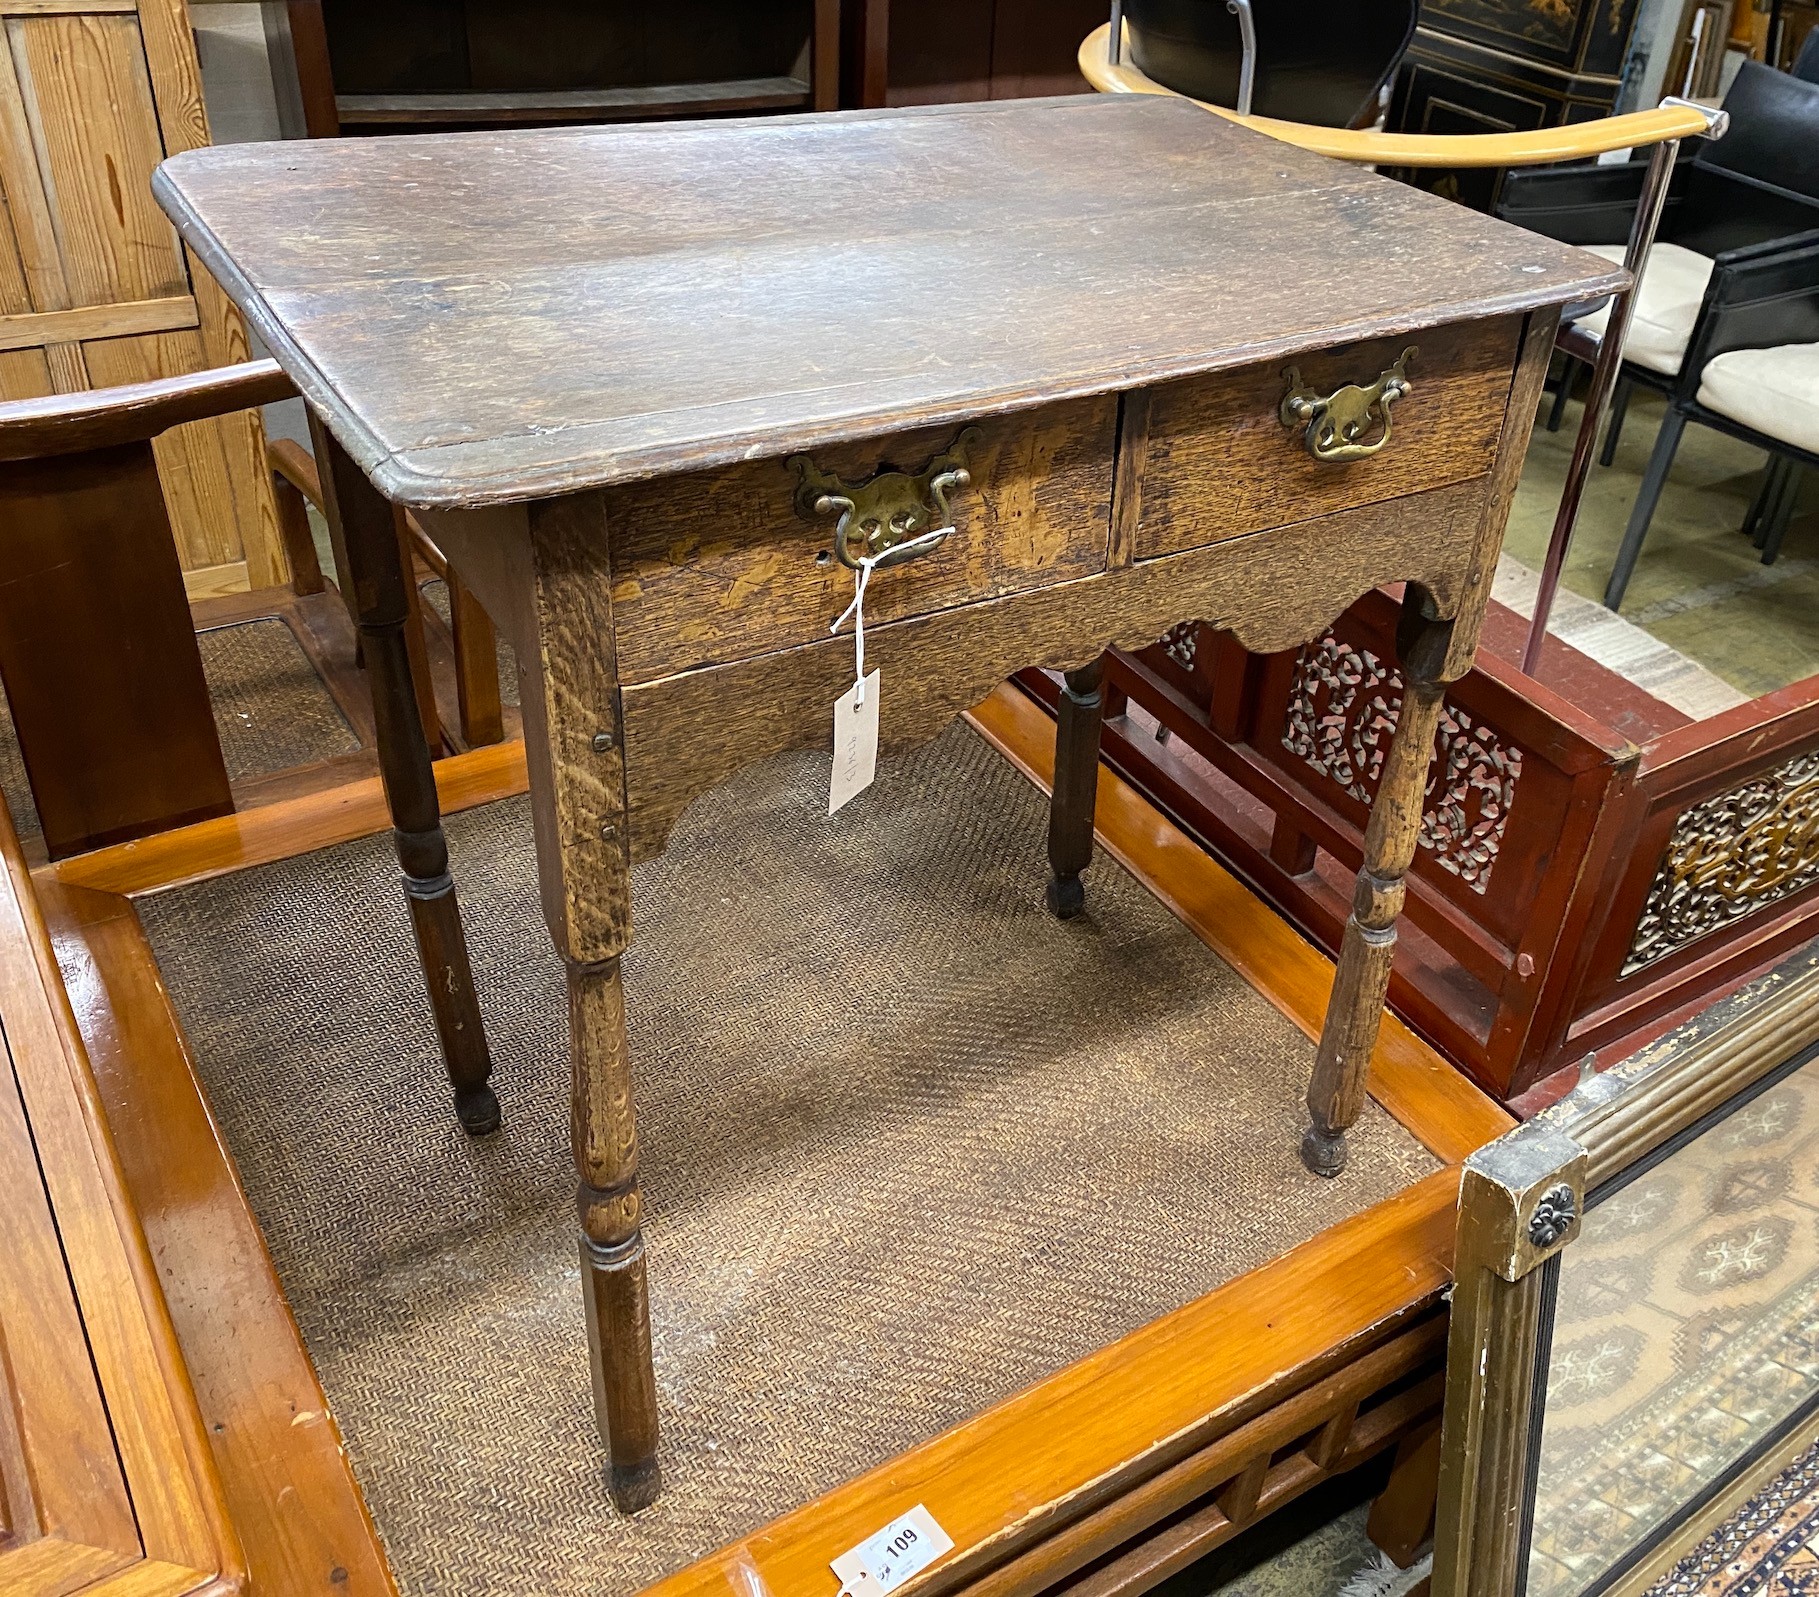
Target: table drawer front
<point x="1220" y="462"/>
<point x="722" y="566"/>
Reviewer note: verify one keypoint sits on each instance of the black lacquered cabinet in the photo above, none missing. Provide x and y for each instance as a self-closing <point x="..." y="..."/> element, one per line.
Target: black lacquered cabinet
<point x="1504" y="66"/>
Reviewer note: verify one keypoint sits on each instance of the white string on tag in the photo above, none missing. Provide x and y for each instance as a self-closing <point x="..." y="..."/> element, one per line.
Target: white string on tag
<point x="857" y="611"/>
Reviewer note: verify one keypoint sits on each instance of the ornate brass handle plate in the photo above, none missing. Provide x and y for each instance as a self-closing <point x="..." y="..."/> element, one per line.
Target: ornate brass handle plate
<point x="894" y="516"/>
<point x="1337" y="424"/>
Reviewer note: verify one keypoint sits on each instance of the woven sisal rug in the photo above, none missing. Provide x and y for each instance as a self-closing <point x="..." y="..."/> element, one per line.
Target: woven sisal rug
<point x="909" y="1145"/>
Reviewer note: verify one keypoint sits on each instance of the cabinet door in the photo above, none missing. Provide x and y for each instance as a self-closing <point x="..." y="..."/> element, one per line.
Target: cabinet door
<point x="95" y="287"/>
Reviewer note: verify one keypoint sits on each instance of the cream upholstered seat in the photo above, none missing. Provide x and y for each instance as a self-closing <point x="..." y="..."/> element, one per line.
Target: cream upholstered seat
<point x="1720" y="202"/>
<point x="1735" y="263"/>
<point x="1774" y="391"/>
<point x="1667" y="305"/>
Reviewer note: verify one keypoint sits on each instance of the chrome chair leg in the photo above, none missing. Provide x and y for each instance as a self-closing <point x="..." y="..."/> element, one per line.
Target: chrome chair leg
<point x="1604" y="380"/>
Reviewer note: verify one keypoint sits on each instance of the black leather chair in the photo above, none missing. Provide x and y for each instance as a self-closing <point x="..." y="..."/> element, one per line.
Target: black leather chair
<point x="1806" y="64"/>
<point x="1323" y="62"/>
<point x="1768" y="517"/>
<point x="1740" y="205"/>
<point x="1774" y="131"/>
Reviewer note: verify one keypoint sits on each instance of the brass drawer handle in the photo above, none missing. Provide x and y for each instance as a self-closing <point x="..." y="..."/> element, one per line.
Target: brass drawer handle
<point x="893" y="516"/>
<point x="1336" y="423"/>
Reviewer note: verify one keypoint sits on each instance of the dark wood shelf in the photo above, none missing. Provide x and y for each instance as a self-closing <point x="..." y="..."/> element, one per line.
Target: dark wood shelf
<point x="578" y="105"/>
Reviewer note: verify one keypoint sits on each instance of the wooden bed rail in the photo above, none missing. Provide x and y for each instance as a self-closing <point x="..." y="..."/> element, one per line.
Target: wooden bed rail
<point x="1579" y="142"/>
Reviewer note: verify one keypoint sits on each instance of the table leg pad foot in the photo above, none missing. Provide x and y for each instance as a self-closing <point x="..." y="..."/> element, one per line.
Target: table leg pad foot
<point x="1066" y="896"/>
<point x="634" y="1486"/>
<point x="478" y="1111"/>
<point x="1323" y="1152"/>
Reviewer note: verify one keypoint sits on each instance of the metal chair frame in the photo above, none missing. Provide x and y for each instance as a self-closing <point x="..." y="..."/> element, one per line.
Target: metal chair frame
<point x="1103" y="63"/>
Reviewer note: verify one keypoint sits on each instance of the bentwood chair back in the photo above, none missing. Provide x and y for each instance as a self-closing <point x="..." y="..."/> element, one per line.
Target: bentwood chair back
<point x="1731" y="268"/>
<point x="1105" y="63"/>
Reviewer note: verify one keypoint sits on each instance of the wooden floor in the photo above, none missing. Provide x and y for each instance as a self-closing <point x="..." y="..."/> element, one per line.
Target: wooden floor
<point x="1155" y="1408"/>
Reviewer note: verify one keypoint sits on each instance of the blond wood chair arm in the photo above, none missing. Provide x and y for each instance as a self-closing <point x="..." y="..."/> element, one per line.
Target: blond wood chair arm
<point x="1579" y="142"/>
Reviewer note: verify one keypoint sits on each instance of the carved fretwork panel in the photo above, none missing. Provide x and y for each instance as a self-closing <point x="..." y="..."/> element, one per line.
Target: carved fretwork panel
<point x="1182" y="644"/>
<point x="1342" y="712"/>
<point x="1732" y="854"/>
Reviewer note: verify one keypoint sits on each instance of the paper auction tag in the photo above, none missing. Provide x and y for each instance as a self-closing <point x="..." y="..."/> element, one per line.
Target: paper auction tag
<point x="855" y="742"/>
<point x="905" y="1547"/>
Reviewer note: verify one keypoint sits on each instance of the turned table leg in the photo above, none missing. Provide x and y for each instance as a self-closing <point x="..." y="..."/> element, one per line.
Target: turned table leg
<point x="1079" y="719"/>
<point x="1355" y="1012"/>
<point x="574" y="744"/>
<point x="612" y="1241"/>
<point x="381" y="603"/>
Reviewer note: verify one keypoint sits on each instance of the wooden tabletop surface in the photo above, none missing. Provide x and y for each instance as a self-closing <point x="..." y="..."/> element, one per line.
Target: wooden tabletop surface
<point x="493" y="317"/>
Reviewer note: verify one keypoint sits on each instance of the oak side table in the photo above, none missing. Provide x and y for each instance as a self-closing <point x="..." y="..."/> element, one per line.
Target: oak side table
<point x="658" y="391"/>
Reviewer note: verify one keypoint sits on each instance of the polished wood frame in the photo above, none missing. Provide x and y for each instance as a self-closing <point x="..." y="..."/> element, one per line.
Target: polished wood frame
<point x="1177" y="1437"/>
<point x="107" y="1480"/>
<point x="105" y="685"/>
<point x="1498" y="1341"/>
<point x="297" y="44"/>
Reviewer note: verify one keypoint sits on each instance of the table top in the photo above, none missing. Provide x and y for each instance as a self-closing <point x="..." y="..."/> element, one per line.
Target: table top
<point x="484" y="318"/>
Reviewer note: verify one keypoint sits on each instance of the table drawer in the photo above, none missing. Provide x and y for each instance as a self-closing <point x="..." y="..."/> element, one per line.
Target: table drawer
<point x="1221" y="463"/>
<point x="722" y="565"/>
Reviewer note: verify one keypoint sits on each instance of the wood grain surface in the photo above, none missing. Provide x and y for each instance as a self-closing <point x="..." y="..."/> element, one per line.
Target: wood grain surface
<point x="494" y="317"/>
<point x="24" y="331"/>
<point x="1220" y="463"/>
<point x="574" y="741"/>
<point x="1534" y="354"/>
<point x="288" y="1485"/>
<point x="95" y="287"/>
<point x="291" y="826"/>
<point x="86" y="81"/>
<point x="97" y="649"/>
<point x="62" y="424"/>
<point x="109" y="1483"/>
<point x="719" y="565"/>
<point x="680" y="740"/>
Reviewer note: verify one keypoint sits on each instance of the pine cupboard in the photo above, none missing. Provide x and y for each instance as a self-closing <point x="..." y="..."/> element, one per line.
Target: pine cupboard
<point x="96" y="289"/>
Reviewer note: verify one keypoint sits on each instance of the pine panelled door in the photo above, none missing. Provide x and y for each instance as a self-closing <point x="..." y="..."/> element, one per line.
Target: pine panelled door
<point x="96" y="289"/>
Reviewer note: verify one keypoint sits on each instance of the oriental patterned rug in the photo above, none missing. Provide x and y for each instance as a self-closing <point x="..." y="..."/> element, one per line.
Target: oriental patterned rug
<point x="1687" y="1330"/>
<point x="1770" y="1549"/>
